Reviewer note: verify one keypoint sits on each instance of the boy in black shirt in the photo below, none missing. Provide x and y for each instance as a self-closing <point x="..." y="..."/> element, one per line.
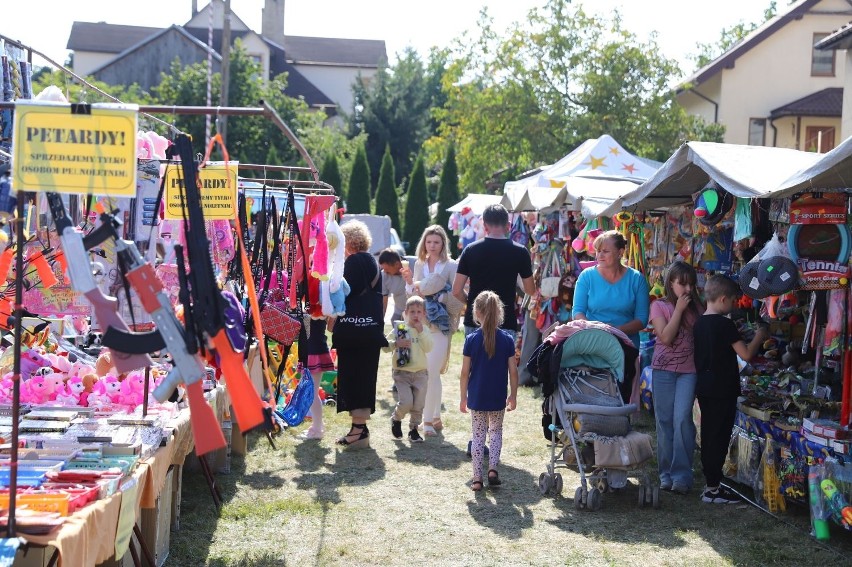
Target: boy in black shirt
<point x="717" y="344"/>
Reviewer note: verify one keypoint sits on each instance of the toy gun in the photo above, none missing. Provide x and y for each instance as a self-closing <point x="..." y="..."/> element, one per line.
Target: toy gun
<point x="837" y="505"/>
<point x="403" y="355"/>
<point x="205" y="310"/>
<point x="129" y="349"/>
<point x="819" y="516"/>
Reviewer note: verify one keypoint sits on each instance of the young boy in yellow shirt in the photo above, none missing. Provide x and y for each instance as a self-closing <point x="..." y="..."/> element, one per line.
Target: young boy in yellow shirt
<point x="410" y="375"/>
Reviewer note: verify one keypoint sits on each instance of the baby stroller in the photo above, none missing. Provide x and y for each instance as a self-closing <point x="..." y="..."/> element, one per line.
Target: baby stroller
<point x="589" y="426"/>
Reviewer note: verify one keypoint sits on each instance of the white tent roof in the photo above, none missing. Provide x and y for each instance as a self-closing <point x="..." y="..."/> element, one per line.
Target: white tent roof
<point x="477" y="203"/>
<point x="744" y="171"/>
<point x="598" y="171"/>
<point x="832" y="170"/>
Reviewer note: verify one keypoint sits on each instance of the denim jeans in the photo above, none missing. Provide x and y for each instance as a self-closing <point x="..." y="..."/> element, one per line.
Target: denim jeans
<point x="674" y="395"/>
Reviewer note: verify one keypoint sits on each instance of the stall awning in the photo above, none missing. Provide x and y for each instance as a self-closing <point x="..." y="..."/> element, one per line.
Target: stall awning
<point x="477" y="203"/>
<point x="744" y="171"/>
<point x="833" y="170"/>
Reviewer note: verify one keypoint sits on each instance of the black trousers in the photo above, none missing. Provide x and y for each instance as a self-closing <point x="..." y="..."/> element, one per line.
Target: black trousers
<point x="717" y="424"/>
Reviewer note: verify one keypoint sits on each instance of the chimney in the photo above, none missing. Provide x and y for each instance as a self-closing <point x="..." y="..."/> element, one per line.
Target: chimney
<point x="194" y="8"/>
<point x="273" y="21"/>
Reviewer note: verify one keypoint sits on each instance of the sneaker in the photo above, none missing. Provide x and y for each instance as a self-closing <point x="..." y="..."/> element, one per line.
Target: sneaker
<point x="429" y="430"/>
<point x="396" y="429"/>
<point x="414" y="436"/>
<point x="721" y="495"/>
<point x="679" y="489"/>
<point x="667" y="486"/>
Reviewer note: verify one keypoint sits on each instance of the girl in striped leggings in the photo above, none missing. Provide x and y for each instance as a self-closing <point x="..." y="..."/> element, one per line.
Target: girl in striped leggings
<point x="489" y="358"/>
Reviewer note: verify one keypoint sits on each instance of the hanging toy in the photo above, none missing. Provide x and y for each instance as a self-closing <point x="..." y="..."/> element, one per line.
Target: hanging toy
<point x="840" y="509"/>
<point x="336" y="255"/>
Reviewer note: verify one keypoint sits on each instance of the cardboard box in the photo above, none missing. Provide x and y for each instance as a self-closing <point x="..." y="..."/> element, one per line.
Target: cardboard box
<point x="156" y="522"/>
<point x="177" y="486"/>
<point x="825" y="428"/>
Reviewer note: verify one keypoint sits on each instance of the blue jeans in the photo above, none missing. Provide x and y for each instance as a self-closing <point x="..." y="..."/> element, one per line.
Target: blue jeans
<point x="674" y="395"/>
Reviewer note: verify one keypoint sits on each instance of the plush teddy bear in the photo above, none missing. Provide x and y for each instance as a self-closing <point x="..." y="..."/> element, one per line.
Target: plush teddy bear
<point x="35" y="390"/>
<point x="330" y="290"/>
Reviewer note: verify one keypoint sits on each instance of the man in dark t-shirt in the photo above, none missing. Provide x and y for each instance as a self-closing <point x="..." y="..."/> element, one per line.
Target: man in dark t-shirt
<point x="494" y="263"/>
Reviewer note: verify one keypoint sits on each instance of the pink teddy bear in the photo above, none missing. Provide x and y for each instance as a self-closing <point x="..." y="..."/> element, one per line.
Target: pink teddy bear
<point x="35" y="390"/>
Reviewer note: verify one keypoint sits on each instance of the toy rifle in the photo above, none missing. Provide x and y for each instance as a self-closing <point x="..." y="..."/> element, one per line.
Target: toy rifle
<point x="129" y="353"/>
<point x="169" y="334"/>
<point x="206" y="309"/>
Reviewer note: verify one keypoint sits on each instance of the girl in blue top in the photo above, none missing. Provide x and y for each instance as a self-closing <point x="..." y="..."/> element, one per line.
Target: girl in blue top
<point x="489" y="356"/>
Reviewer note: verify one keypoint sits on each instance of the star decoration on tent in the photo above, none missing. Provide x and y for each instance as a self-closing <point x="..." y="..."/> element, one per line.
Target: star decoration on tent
<point x="595" y="162"/>
<point x="629" y="167"/>
<point x="614" y="150"/>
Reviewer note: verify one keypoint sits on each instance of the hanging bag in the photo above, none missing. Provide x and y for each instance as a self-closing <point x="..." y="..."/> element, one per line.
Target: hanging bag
<point x="550" y="284"/>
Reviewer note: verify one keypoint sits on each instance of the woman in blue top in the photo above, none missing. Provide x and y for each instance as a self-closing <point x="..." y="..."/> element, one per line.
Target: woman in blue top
<point x="489" y="359"/>
<point x="612" y="293"/>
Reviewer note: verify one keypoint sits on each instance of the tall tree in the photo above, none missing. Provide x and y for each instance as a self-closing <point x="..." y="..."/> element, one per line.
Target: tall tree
<point x="358" y="197"/>
<point x="393" y="109"/>
<point x="416" y="204"/>
<point x="448" y="193"/>
<point x="330" y="173"/>
<point x="519" y="99"/>
<point x="387" y="199"/>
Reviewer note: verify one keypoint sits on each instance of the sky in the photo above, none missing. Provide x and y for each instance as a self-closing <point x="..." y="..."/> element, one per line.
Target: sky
<point x="421" y="24"/>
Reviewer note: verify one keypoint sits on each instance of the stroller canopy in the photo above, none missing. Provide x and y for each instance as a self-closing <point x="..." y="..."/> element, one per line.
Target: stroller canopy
<point x="594" y="348"/>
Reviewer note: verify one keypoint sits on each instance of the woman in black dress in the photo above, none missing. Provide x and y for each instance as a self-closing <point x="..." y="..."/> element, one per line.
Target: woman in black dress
<point x="359" y="335"/>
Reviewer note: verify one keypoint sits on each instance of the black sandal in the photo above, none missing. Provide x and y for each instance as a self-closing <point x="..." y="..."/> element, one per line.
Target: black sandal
<point x="363" y="440"/>
<point x="495" y="479"/>
<point x="476" y="485"/>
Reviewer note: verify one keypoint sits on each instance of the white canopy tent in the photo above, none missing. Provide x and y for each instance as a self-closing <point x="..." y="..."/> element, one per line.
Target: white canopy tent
<point x="833" y="170"/>
<point x="743" y="171"/>
<point x="591" y="179"/>
<point x="477" y="203"/>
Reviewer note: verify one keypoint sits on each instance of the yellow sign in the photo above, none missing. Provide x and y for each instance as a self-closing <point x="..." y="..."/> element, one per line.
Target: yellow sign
<point x="56" y="150"/>
<point x="218" y="191"/>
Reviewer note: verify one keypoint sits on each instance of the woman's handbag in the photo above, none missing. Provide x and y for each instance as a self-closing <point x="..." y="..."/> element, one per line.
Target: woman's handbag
<point x="363" y="321"/>
<point x="279" y="325"/>
<point x="550" y="284"/>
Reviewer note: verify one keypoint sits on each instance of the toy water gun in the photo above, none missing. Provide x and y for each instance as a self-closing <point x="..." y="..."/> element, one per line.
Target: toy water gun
<point x="403" y="355"/>
<point x="819" y="515"/>
<point x="838" y="507"/>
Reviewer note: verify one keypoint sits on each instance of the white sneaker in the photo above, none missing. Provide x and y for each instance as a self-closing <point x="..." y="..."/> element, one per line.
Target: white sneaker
<point x="429" y="431"/>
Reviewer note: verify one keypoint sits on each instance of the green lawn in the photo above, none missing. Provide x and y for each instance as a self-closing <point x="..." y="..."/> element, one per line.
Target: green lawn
<point x="309" y="503"/>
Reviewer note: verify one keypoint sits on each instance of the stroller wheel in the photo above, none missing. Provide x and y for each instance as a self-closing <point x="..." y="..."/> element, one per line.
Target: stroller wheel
<point x="557" y="484"/>
<point x="544" y="483"/>
<point x="579" y="501"/>
<point x="641" y="496"/>
<point x="594" y="500"/>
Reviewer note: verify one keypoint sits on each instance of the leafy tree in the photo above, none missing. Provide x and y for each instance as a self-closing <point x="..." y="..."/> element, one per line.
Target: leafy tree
<point x="330" y="173"/>
<point x="448" y="192"/>
<point x="393" y="110"/>
<point x="416" y="204"/>
<point x="730" y="36"/>
<point x="519" y="99"/>
<point x="387" y="199"/>
<point x="358" y="197"/>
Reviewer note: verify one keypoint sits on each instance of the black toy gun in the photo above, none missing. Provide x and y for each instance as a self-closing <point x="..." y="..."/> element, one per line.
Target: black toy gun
<point x="207" y="311"/>
<point x="128" y="353"/>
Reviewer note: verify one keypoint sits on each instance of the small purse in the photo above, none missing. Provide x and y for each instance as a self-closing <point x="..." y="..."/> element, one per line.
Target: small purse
<point x="279" y="325"/>
<point x="550" y="285"/>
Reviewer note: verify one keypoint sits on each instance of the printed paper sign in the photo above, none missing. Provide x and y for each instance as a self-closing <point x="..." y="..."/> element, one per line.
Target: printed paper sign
<point x="56" y="150"/>
<point x="218" y="191"/>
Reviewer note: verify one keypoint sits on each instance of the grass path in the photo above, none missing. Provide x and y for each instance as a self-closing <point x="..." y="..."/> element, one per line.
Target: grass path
<point x="309" y="503"/>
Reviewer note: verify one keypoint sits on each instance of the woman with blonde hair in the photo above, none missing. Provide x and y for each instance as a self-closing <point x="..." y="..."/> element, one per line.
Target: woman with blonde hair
<point x="358" y="335"/>
<point x="434" y="272"/>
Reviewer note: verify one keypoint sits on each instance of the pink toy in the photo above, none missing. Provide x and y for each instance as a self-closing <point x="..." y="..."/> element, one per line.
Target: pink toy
<point x="132" y="388"/>
<point x="319" y="260"/>
<point x="70" y="393"/>
<point x="55" y="383"/>
<point x="34" y="391"/>
<point x="6" y="385"/>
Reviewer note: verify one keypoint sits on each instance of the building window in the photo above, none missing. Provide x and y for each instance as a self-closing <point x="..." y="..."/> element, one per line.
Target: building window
<point x="819" y="139"/>
<point x="822" y="60"/>
<point x="757" y="132"/>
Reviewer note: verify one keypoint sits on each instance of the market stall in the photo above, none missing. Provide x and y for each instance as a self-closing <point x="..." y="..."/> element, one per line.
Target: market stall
<point x="775" y="220"/>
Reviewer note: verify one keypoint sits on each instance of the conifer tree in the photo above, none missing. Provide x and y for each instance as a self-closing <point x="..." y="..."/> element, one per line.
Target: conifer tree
<point x="448" y="195"/>
<point x="417" y="205"/>
<point x="387" y="199"/>
<point x="358" y="198"/>
<point x="330" y="173"/>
